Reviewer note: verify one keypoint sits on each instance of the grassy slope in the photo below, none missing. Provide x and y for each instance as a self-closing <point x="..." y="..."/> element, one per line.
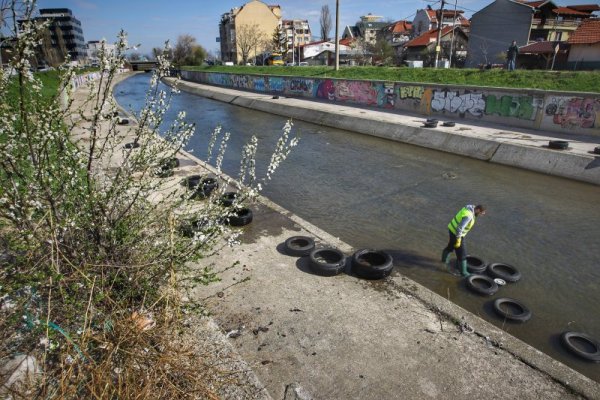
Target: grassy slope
<point x="579" y="81"/>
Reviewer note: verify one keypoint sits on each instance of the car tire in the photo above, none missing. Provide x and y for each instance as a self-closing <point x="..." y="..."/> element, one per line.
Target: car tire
<point x="475" y="265"/>
<point x="227" y="198"/>
<point x="371" y="264"/>
<point x="558" y="144"/>
<point x="123" y="121"/>
<point x="299" y="246"/>
<point x="240" y="217"/>
<point x="597" y="150"/>
<point x="191" y="181"/>
<point x="489" y="286"/>
<point x="568" y="340"/>
<point x="326" y="261"/>
<point x="132" y="145"/>
<point x="524" y="314"/>
<point x="504" y="271"/>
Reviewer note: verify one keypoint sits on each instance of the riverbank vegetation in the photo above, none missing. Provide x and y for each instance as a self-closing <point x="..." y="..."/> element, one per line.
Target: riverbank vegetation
<point x="578" y="81"/>
<point x="97" y="242"/>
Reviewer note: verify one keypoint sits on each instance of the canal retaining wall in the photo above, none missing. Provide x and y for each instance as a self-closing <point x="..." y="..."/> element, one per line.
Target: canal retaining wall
<point x="496" y="145"/>
<point x="551" y="111"/>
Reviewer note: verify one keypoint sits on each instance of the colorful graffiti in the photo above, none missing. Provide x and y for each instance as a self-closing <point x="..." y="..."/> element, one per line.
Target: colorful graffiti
<point x="452" y="101"/>
<point x="361" y="92"/>
<point x="326" y="90"/>
<point x="276" y="84"/>
<point x="301" y="86"/>
<point x="571" y="112"/>
<point x="522" y="107"/>
<point x="259" y="84"/>
<point x="411" y="92"/>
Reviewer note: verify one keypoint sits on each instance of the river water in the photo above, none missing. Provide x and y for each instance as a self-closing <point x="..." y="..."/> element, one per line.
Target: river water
<point x="376" y="193"/>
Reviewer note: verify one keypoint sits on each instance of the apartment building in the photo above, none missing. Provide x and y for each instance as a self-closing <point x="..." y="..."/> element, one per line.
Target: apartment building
<point x="65" y="32"/>
<point x="297" y="32"/>
<point x="254" y="13"/>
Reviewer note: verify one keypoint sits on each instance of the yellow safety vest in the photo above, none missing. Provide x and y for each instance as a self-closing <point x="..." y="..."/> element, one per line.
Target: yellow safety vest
<point x="464" y="212"/>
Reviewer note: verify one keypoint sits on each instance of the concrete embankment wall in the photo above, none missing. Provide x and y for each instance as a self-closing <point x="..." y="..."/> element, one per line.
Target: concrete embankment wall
<point x="547" y="111"/>
<point x="531" y="156"/>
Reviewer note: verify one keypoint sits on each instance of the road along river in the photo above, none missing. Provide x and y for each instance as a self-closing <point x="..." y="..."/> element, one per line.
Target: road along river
<point x="372" y="192"/>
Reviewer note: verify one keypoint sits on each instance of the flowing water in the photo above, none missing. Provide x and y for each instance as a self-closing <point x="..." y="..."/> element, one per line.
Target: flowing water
<point x="376" y="193"/>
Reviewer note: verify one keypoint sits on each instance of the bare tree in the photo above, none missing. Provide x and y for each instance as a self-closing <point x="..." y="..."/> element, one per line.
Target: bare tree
<point x="183" y="48"/>
<point x="325" y="21"/>
<point x="249" y="38"/>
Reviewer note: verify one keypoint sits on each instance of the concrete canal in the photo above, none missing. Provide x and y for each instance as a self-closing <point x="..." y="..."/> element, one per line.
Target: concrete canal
<point x="376" y="193"/>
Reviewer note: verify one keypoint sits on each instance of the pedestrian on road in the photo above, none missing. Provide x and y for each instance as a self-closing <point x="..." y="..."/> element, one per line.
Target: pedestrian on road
<point x="511" y="55"/>
<point x="458" y="228"/>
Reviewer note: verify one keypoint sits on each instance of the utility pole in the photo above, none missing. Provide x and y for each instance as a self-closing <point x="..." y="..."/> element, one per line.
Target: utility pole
<point x="337" y="35"/>
<point x="293" y="43"/>
<point x="438" y="47"/>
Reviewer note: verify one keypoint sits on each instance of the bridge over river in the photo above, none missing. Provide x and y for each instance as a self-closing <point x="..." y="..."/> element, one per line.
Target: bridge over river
<point x="376" y="193"/>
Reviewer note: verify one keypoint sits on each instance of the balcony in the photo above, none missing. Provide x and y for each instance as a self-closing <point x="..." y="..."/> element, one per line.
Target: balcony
<point x="554" y="24"/>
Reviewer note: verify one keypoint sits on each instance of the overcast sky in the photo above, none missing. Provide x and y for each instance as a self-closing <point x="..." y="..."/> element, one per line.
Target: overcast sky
<point x="151" y="22"/>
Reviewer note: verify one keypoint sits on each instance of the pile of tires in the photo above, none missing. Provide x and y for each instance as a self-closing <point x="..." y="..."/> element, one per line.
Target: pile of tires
<point x="201" y="187"/>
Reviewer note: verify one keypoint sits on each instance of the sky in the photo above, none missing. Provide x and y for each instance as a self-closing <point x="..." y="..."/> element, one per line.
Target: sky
<point x="151" y="22"/>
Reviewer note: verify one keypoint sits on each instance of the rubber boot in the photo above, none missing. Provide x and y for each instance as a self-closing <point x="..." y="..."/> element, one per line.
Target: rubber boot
<point x="446" y="256"/>
<point x="463" y="268"/>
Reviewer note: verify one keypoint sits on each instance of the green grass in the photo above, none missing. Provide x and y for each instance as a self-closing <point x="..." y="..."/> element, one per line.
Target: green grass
<point x="50" y="83"/>
<point x="572" y="81"/>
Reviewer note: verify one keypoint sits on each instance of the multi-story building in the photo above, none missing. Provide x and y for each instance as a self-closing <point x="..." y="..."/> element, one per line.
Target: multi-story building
<point x="427" y="19"/>
<point x="368" y="28"/>
<point x="297" y="32"/>
<point x="232" y="27"/>
<point x="65" y="32"/>
<point x="494" y="27"/>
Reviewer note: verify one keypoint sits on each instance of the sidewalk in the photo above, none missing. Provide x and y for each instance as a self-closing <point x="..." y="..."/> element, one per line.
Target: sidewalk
<point x="346" y="338"/>
<point x="522" y="148"/>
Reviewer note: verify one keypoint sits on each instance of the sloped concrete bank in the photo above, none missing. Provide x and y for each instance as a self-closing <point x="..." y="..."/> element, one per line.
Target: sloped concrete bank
<point x="497" y="144"/>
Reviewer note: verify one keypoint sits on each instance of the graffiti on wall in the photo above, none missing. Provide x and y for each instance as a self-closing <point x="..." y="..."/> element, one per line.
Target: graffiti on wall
<point x="300" y="86"/>
<point x="411" y="92"/>
<point x="387" y="96"/>
<point x="522" y="107"/>
<point x="573" y="111"/>
<point x="362" y="92"/>
<point x="454" y="102"/>
<point x="326" y="90"/>
<point x="220" y="79"/>
<point x="276" y="84"/>
<point x="259" y="84"/>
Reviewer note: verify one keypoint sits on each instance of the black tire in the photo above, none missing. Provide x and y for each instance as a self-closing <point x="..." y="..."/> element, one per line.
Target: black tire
<point x="169" y="163"/>
<point x="504" y="271"/>
<point x="123" y="121"/>
<point x="191" y="181"/>
<point x="241" y="217"/>
<point x="430" y="125"/>
<point x="489" y="286"/>
<point x="558" y="144"/>
<point x="432" y="120"/>
<point x="299" y="246"/>
<point x="449" y="123"/>
<point x="132" y="145"/>
<point x="475" y="265"/>
<point x="371" y="264"/>
<point x="204" y="188"/>
<point x="228" y="198"/>
<point x="326" y="261"/>
<point x="523" y="314"/>
<point x="165" y="172"/>
<point x="568" y="339"/>
<point x="597" y="150"/>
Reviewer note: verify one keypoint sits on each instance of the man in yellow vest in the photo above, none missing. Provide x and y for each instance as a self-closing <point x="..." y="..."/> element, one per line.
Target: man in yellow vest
<point x="458" y="228"/>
